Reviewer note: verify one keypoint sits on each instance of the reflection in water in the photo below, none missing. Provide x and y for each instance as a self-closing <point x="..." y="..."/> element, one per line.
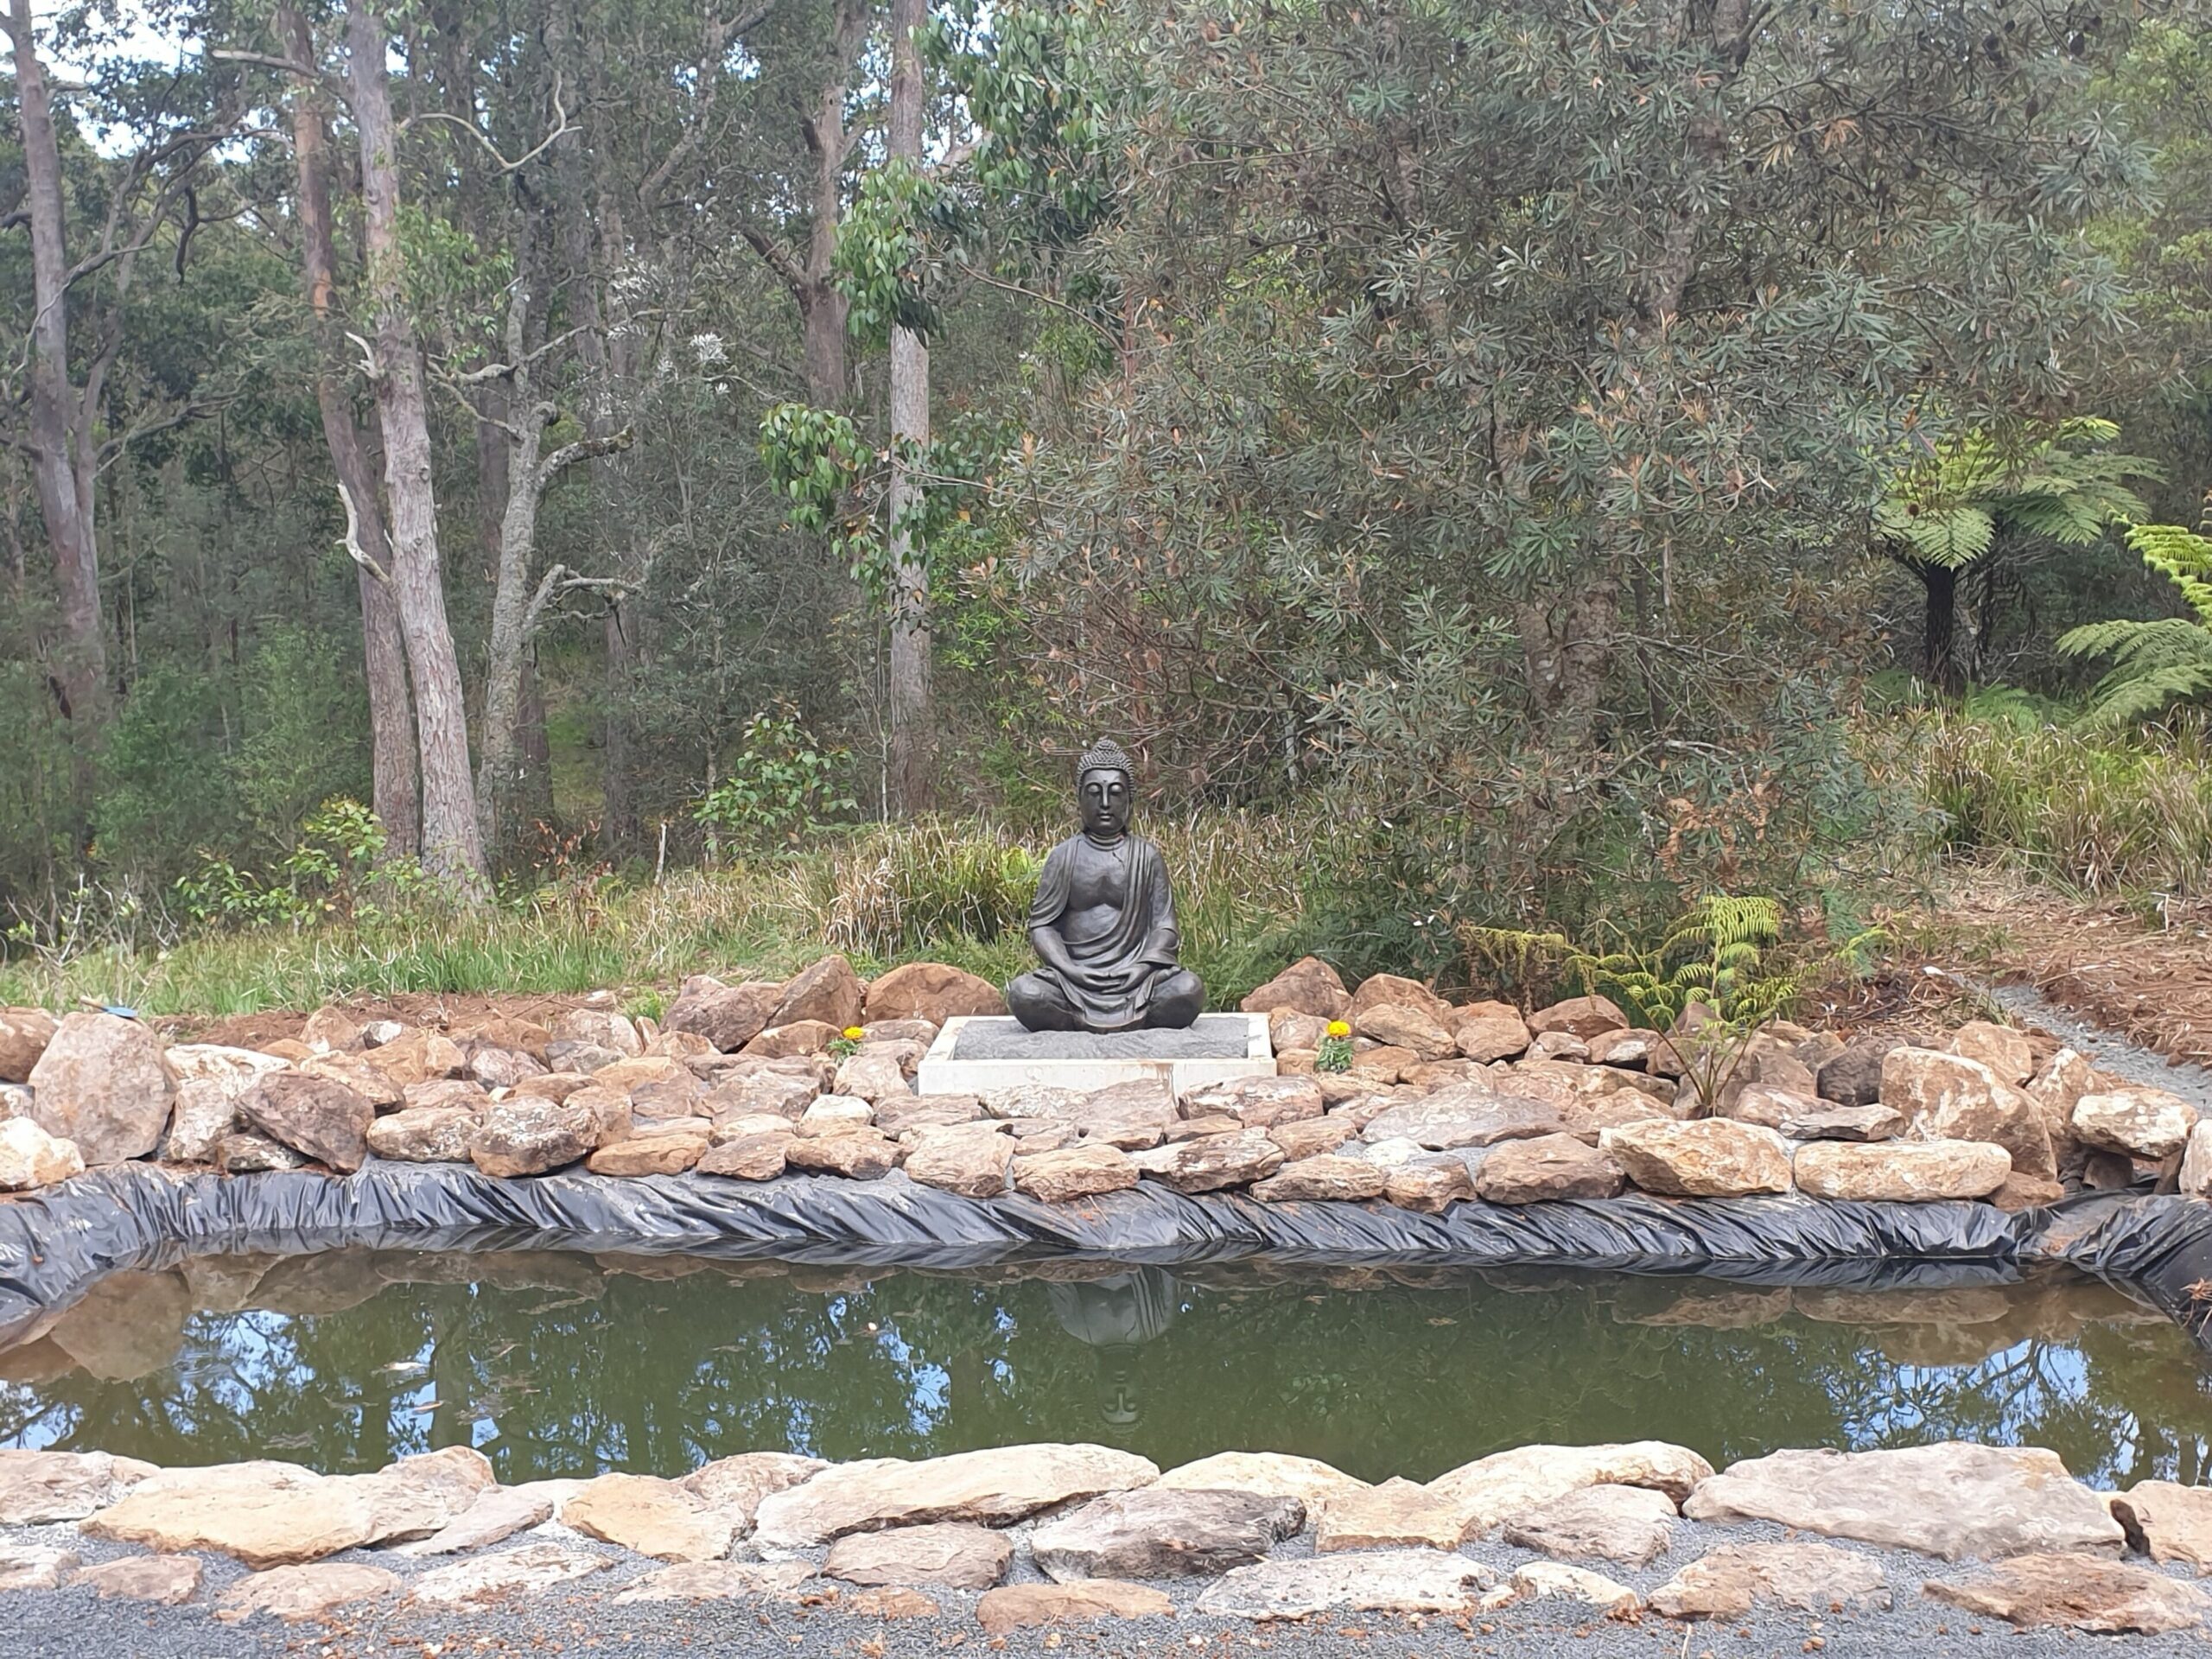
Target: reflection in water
<point x="1117" y="1316"/>
<point x="564" y="1364"/>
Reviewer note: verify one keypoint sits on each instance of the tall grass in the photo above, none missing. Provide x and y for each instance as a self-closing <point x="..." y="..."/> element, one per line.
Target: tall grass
<point x="2101" y="813"/>
<point x="948" y="890"/>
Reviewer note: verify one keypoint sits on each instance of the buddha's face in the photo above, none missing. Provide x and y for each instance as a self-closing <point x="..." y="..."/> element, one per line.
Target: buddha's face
<point x="1103" y="796"/>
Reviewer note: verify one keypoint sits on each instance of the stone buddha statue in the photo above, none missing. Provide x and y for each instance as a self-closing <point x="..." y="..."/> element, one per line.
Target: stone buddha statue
<point x="1103" y="921"/>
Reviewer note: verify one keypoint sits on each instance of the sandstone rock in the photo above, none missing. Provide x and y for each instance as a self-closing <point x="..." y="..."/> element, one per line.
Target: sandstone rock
<point x="750" y="1158"/>
<point x="1426" y="1189"/>
<point x="1712" y="1158"/>
<point x="524" y="1136"/>
<point x="425" y="1134"/>
<point x="416" y="1056"/>
<point x="1385" y="1063"/>
<point x="1327" y="1176"/>
<point x="31" y="1158"/>
<point x="1585" y="1016"/>
<point x="836" y="1115"/>
<point x="1489" y="1031"/>
<point x="971" y="1163"/>
<point x="1560" y="1046"/>
<point x="721" y="1582"/>
<point x="1257" y="1102"/>
<point x="1997" y="1500"/>
<point x="2194" y="1176"/>
<point x="1767" y="1106"/>
<point x="1287" y="1028"/>
<point x="36" y="1567"/>
<point x="737" y="1484"/>
<point x="785" y="1094"/>
<point x="654" y="1517"/>
<point x="102" y="1083"/>
<point x="265" y="1514"/>
<point x="1392" y="1580"/>
<point x="2003" y="1050"/>
<point x="1629" y="1524"/>
<point x="862" y="1154"/>
<point x="872" y="1077"/>
<point x="606" y="1113"/>
<point x="492" y="1067"/>
<point x="24" y="1033"/>
<point x="1164" y="1533"/>
<point x="659" y="1150"/>
<point x="1379" y="991"/>
<point x="1854" y="1077"/>
<point x="728" y="1016"/>
<point x="898" y="1117"/>
<point x="1212" y="1162"/>
<point x="295" y="1593"/>
<point x="553" y="1086"/>
<point x="1814" y="1578"/>
<point x="2078" y="1592"/>
<point x="40" y="1488"/>
<point x="1948" y="1097"/>
<point x="1546" y="1167"/>
<point x="365" y="1080"/>
<point x="331" y="1030"/>
<point x="164" y="1580"/>
<point x="1073" y="1173"/>
<point x="602" y="1027"/>
<point x="1397" y="1513"/>
<point x="931" y="991"/>
<point x="1307" y="986"/>
<point x="1468" y="1116"/>
<point x="245" y="1154"/>
<point x="1554" y="1581"/>
<point x="498" y="1512"/>
<point x="1003" y="1485"/>
<point x="2147" y="1123"/>
<point x="482" y="1578"/>
<point x="1032" y="1099"/>
<point x="800" y="1037"/>
<point x="828" y="990"/>
<point x="1507" y="1483"/>
<point x="209" y="1079"/>
<point x="1902" y="1170"/>
<point x="957" y="1555"/>
<point x="316" y="1116"/>
<point x="448" y="1093"/>
<point x="1563" y="1084"/>
<point x="1019" y="1607"/>
<point x="1275" y="1474"/>
<point x="2025" y="1193"/>
<point x="2055" y="1090"/>
<point x="1829" y="1122"/>
<point x="1400" y="1027"/>
<point x="2167" y="1521"/>
<point x="1313" y="1136"/>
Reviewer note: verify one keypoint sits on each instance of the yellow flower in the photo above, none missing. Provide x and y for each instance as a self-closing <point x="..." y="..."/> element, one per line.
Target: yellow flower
<point x="854" y="1033"/>
<point x="1339" y="1028"/>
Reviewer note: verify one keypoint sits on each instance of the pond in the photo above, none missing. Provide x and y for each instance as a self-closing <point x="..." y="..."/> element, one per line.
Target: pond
<point x="567" y="1364"/>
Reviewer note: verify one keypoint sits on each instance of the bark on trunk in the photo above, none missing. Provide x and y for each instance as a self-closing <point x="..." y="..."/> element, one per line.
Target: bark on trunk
<point x="393" y="796"/>
<point x="1939" y="627"/>
<point x="451" y="845"/>
<point x="912" y="720"/>
<point x="61" y="458"/>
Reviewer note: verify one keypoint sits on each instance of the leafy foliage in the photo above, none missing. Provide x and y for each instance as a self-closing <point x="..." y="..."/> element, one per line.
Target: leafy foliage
<point x="2067" y="486"/>
<point x="780" y="788"/>
<point x="2163" y="661"/>
<point x="337" y="872"/>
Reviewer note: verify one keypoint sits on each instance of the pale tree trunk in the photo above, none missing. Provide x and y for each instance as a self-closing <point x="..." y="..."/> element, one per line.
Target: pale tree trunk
<point x="393" y="796"/>
<point x="60" y="420"/>
<point x="515" y="610"/>
<point x="914" y="738"/>
<point x="812" y="282"/>
<point x="451" y="845"/>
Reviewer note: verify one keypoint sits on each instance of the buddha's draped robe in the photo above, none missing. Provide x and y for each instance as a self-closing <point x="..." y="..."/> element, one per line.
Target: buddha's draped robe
<point x="1142" y="938"/>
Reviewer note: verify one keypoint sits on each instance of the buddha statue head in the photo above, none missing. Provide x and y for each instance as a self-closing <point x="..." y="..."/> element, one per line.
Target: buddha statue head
<point x="1104" y="783"/>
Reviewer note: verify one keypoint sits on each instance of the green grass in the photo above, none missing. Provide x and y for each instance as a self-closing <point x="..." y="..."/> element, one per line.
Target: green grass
<point x="2094" y="812"/>
<point x="955" y="891"/>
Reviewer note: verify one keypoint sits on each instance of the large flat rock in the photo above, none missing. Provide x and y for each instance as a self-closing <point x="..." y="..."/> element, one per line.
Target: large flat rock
<point x="1508" y="1484"/>
<point x="1952" y="1499"/>
<point x="1727" y="1583"/>
<point x="1388" y="1580"/>
<point x="2080" y="1593"/>
<point x="999" y="1485"/>
<point x="1163" y="1533"/>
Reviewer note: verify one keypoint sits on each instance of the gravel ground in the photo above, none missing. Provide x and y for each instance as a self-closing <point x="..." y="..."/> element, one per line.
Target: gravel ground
<point x="71" y="1623"/>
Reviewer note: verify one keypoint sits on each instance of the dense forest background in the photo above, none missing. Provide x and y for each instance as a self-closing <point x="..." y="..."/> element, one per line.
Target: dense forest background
<point x="1549" y="459"/>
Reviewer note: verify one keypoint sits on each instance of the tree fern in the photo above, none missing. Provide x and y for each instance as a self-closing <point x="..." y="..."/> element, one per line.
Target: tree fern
<point x="1947" y="507"/>
<point x="2159" y="662"/>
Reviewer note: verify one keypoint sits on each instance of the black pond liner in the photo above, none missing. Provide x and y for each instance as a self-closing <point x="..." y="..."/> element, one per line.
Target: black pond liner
<point x="54" y="1244"/>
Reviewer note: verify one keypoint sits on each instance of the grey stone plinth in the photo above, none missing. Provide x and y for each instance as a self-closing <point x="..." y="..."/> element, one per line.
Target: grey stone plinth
<point x="975" y="1055"/>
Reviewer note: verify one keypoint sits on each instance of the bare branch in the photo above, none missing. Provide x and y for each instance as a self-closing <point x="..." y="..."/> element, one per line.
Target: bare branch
<point x="561" y="580"/>
<point x="562" y="126"/>
<point x="354" y="547"/>
<point x="582" y="450"/>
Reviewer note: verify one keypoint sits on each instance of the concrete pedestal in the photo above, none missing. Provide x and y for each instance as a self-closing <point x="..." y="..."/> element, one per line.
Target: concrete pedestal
<point x="975" y="1055"/>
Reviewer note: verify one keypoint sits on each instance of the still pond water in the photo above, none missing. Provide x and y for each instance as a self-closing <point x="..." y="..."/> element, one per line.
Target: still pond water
<point x="563" y="1365"/>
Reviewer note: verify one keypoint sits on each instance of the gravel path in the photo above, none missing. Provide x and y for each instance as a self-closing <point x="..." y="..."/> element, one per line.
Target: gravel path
<point x="73" y="1623"/>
